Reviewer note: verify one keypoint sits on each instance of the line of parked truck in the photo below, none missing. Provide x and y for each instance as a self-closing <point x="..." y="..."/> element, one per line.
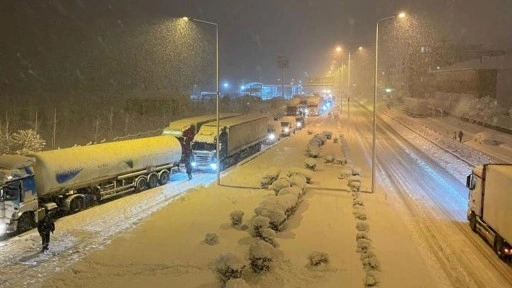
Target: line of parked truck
<point x="65" y="181"/>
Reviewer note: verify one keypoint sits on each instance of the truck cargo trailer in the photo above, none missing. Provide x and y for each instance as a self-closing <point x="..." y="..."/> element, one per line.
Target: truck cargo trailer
<point x="67" y="180"/>
<point x="239" y="138"/>
<point x="490" y="205"/>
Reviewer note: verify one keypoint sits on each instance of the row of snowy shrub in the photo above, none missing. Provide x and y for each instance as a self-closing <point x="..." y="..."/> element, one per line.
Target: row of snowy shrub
<point x="269" y="217"/>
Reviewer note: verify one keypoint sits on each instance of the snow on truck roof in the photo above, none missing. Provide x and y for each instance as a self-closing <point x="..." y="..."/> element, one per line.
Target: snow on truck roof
<point x="208" y="131"/>
<point x="183" y="124"/>
<point x="235" y="120"/>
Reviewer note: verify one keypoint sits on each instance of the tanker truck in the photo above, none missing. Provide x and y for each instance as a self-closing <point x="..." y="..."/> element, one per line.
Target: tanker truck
<point x="186" y="129"/>
<point x="239" y="138"/>
<point x="67" y="180"/>
<point x="489" y="205"/>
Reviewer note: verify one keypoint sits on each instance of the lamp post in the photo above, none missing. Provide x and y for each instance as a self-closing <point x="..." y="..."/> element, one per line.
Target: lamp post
<point x="348" y="72"/>
<point x="217" y="86"/>
<point x="401" y="15"/>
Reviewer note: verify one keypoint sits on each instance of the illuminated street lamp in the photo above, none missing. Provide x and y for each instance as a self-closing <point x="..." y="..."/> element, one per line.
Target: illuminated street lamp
<point x="401" y="15"/>
<point x="217" y="86"/>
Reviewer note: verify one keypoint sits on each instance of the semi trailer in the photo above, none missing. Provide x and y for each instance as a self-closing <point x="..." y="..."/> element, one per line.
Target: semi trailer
<point x="68" y="180"/>
<point x="239" y="138"/>
<point x="186" y="129"/>
<point x="489" y="206"/>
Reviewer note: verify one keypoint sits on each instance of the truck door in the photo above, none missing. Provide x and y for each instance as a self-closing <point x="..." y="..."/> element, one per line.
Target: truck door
<point x="475" y="196"/>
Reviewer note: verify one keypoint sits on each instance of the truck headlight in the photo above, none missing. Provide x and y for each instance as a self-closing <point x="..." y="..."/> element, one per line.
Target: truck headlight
<point x="271" y="136"/>
<point x="213" y="166"/>
<point x="299" y="124"/>
<point x="286" y="130"/>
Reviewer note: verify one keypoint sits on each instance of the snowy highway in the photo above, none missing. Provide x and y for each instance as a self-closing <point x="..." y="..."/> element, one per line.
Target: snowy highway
<point x="425" y="184"/>
<point x="21" y="264"/>
<point x="418" y="180"/>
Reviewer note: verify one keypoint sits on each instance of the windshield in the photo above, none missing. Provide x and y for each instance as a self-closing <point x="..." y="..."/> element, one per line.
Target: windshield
<point x="9" y="192"/>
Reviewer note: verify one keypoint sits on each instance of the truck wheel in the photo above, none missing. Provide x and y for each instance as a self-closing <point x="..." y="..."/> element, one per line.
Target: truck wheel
<point x="140" y="184"/>
<point x="472" y="221"/>
<point x="164" y="178"/>
<point x="498" y="247"/>
<point x="76" y="205"/>
<point x="25" y="223"/>
<point x="152" y="181"/>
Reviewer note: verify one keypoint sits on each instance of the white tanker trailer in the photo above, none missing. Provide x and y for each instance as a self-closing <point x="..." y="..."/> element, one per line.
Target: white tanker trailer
<point x="70" y="179"/>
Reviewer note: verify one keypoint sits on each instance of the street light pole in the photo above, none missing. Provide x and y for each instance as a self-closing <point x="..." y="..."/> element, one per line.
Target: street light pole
<point x="217" y="88"/>
<point x="401" y="15"/>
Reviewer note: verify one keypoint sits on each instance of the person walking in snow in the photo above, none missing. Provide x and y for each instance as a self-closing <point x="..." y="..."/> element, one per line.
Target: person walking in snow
<point x="460" y="136"/>
<point x="45" y="227"/>
<point x="188" y="167"/>
<point x="455" y="135"/>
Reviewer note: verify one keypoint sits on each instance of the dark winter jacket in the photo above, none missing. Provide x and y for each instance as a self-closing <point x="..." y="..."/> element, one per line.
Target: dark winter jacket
<point x="46" y="226"/>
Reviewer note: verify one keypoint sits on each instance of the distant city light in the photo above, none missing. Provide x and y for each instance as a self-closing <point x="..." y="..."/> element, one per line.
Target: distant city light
<point x="226" y="84"/>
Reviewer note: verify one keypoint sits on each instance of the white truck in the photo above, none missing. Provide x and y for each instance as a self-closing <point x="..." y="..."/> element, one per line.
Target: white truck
<point x="489" y="207"/>
<point x="239" y="138"/>
<point x="185" y="129"/>
<point x="68" y="180"/>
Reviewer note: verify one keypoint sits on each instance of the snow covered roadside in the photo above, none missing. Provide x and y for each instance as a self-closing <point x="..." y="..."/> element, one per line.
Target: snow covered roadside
<point x="167" y="248"/>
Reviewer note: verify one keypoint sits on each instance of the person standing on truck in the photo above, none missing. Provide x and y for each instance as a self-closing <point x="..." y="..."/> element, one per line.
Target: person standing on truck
<point x="44" y="228"/>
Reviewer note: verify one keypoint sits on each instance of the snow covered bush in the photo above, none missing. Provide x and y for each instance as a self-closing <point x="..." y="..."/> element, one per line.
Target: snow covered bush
<point x="357" y="202"/>
<point x="313" y="151"/>
<point x="362" y="226"/>
<point x="369" y="260"/>
<point x="310" y="164"/>
<point x="261" y="256"/>
<point x="237" y="283"/>
<point x="335" y="140"/>
<point x="359" y="213"/>
<point x="299" y="181"/>
<point x="26" y="141"/>
<point x="321" y="138"/>
<point x="329" y="158"/>
<point x="294" y="190"/>
<point x="236" y="217"/>
<point x="271" y="175"/>
<point x="273" y="213"/>
<point x="327" y="134"/>
<point x="228" y="266"/>
<point x="371" y="279"/>
<point x="310" y="132"/>
<point x="280" y="184"/>
<point x="258" y="224"/>
<point x="353" y="178"/>
<point x="268" y="235"/>
<point x="345" y="172"/>
<point x="211" y="239"/>
<point x="362" y="235"/>
<point x="286" y="203"/>
<point x="318" y="258"/>
<point x="354" y="186"/>
<point x="301" y="171"/>
<point x="363" y="245"/>
<point x="356" y="171"/>
<point x="339" y="160"/>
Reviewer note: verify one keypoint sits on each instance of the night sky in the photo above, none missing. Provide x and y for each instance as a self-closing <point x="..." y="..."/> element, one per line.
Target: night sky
<point x="135" y="45"/>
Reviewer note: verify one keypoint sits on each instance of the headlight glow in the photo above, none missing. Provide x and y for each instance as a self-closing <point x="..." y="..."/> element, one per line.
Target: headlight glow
<point x="286" y="130"/>
<point x="299" y="124"/>
<point x="213" y="166"/>
<point x="271" y="136"/>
